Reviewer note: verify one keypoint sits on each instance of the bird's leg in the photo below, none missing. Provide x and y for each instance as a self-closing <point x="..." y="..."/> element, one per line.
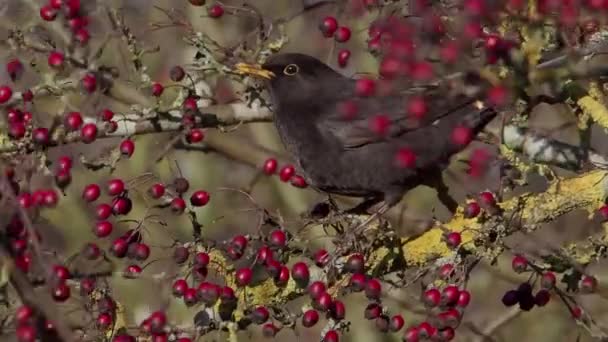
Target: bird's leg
<point x="381" y="211"/>
<point x="436" y="181"/>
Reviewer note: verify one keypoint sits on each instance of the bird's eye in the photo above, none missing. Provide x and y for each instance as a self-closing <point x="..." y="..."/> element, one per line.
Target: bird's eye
<point x="291" y="70"/>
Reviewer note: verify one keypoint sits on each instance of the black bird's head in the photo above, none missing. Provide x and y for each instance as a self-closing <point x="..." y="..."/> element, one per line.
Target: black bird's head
<point x="296" y="78"/>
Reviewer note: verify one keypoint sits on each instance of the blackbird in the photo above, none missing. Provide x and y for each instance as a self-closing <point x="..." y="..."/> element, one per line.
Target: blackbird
<point x="349" y="143"/>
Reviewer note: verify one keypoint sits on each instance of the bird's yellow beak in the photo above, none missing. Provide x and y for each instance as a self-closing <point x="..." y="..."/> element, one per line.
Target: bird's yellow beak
<point x="254" y="70"/>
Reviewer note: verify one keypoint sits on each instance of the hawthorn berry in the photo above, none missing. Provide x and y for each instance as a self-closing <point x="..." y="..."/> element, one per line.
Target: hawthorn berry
<point x="73" y="121"/>
<point x="180" y="254"/>
<point x="449" y="295"/>
<point x="321" y="257"/>
<point x="519" y="264"/>
<point x="510" y="298"/>
<point x="14" y="69"/>
<point x="316" y="289"/>
<point x="373" y="289"/>
<point x="269" y="330"/>
<point x="157" y="190"/>
<point x="343" y="57"/>
<point x="453" y="239"/>
<point x="342" y="34"/>
<point x="357" y="282"/>
<point x="157" y="89"/>
<point x="542" y="297"/>
<point x="355" y="263"/>
<point x="56" y="59"/>
<point x="61" y="292"/>
<point x="372" y="311"/>
<point x="310" y="318"/>
<point x="328" y="26"/>
<point x="337" y="310"/>
<point x="548" y="280"/>
<point x="396" y="323"/>
<point x="431" y="297"/>
<point x="199" y="198"/>
<point x="588" y="284"/>
<point x="91" y="192"/>
<point x="323" y="303"/>
<point x="88" y="133"/>
<point x="471" y="210"/>
<point x="331" y="336"/>
<point x="270" y="166"/>
<point x="300" y="274"/>
<point x="286" y="173"/>
<point x="48" y="13"/>
<point x="127" y="147"/>
<point x="215" y="11"/>
<point x="89" y="80"/>
<point x="243" y="276"/>
<point x="260" y="315"/>
<point x="298" y="181"/>
<point x="195" y="135"/>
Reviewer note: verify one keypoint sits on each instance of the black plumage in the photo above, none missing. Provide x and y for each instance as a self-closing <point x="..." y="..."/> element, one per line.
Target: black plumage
<point x="339" y="153"/>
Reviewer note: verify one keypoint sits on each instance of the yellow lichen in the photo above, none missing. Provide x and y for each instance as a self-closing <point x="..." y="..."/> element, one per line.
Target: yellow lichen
<point x="594" y="109"/>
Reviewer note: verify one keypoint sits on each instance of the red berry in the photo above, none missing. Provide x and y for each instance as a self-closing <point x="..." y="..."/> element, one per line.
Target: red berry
<point x="260" y="315"/>
<point x="27" y="95"/>
<point x="102" y="229"/>
<point x="142" y="251"/>
<point x="73" y="121"/>
<point x="417" y="107"/>
<point x="379" y="124"/>
<point x="324" y="302"/>
<point x="195" y="136"/>
<point x="355" y="263"/>
<point x="89" y="82"/>
<point x="216" y="11"/>
<point x="23" y="314"/>
<point x="115" y="187"/>
<point x="16" y="130"/>
<point x="104" y="320"/>
<point x="464" y="298"/>
<point x="179" y="287"/>
<point x="462" y="135"/>
<point x="548" y="280"/>
<point x="300" y="274"/>
<point x="14" y="69"/>
<point x="157" y="190"/>
<point x="61" y="272"/>
<point x="337" y="310"/>
<point x="286" y="173"/>
<point x="278" y="238"/>
<point x="331" y="336"/>
<point x="321" y="257"/>
<point x="298" y="181"/>
<point x="343" y="34"/>
<point x="450" y="295"/>
<point x="88" y="133"/>
<point x="487" y="198"/>
<point x="121" y="206"/>
<point x="91" y="192"/>
<point x="127" y="147"/>
<point x="431" y="297"/>
<point x="472" y="210"/>
<point x="243" y="276"/>
<point x="365" y="87"/>
<point x="328" y="26"/>
<point x="510" y="298"/>
<point x="41" y="136"/>
<point x="5" y="94"/>
<point x="357" y="282"/>
<point x="577" y="312"/>
<point x="157" y="89"/>
<point x="372" y="311"/>
<point x="588" y="284"/>
<point x="199" y="198"/>
<point x="180" y="254"/>
<point x="373" y="289"/>
<point x="48" y="13"/>
<point x="132" y="271"/>
<point x="519" y="264"/>
<point x="190" y="105"/>
<point x="119" y="247"/>
<point x="270" y="166"/>
<point x="603" y="211"/>
<point x="269" y="330"/>
<point x="411" y="335"/>
<point x="61" y="292"/>
<point x="264" y="255"/>
<point x="239" y="242"/>
<point x="406" y="158"/>
<point x="26" y="333"/>
<point x="178" y="205"/>
<point x="310" y="318"/>
<point x="316" y="289"/>
<point x="56" y="59"/>
<point x="453" y="239"/>
<point x="106" y="115"/>
<point x="343" y="57"/>
<point x="396" y="323"/>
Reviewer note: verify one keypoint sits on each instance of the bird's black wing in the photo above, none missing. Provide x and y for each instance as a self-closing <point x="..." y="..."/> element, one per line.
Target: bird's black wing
<point x="355" y="130"/>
